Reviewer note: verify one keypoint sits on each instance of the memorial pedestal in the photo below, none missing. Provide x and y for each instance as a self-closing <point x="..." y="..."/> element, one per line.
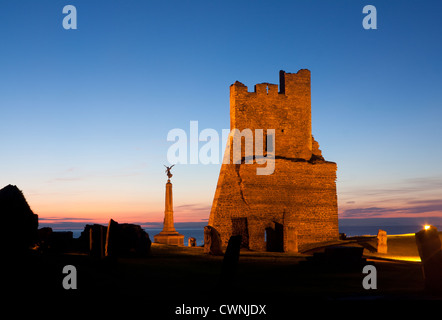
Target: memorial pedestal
<point x="169" y="235"/>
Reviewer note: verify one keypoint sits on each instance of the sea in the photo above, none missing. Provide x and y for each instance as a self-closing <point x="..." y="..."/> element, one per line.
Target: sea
<point x="197" y="233"/>
<point x="350" y="231"/>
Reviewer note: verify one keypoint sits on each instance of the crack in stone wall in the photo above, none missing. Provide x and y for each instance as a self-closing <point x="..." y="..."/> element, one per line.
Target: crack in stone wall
<point x="241" y="184"/>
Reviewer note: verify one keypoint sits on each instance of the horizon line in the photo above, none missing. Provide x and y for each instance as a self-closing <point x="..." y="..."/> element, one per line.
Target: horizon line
<point x="348" y="222"/>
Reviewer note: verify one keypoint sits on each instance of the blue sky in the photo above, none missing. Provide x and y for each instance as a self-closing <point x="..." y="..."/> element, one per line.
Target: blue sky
<point x="85" y="113"/>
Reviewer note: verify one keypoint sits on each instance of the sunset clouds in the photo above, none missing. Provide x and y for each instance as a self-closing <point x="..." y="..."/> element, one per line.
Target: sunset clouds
<point x="413" y="197"/>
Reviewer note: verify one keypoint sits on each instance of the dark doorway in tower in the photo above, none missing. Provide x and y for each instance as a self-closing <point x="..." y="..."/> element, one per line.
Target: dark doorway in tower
<point x="275" y="237"/>
<point x="239" y="227"/>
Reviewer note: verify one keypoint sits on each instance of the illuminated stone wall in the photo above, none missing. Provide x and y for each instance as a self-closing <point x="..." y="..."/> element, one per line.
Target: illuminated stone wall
<point x="299" y="199"/>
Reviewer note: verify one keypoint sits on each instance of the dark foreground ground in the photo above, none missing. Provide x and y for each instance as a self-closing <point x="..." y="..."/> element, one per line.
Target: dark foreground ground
<point x="174" y="276"/>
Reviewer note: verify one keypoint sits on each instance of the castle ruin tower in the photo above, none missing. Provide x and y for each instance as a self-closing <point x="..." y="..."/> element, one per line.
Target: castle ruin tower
<point x="169" y="235"/>
<point x="295" y="205"/>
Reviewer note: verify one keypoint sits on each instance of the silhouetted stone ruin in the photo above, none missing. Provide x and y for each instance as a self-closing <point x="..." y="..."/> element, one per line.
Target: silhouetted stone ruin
<point x="44" y="240"/>
<point x="97" y="239"/>
<point x="429" y="247"/>
<point x="19" y="223"/>
<point x="212" y="241"/>
<point x="126" y="240"/>
<point x="55" y="241"/>
<point x="115" y="240"/>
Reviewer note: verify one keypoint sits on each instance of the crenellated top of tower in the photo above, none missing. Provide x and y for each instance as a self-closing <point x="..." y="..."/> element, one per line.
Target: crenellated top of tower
<point x="285" y="108"/>
<point x="290" y="85"/>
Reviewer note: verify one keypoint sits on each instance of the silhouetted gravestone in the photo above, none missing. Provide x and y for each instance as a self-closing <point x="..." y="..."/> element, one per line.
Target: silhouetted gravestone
<point x="231" y="258"/>
<point x="84" y="241"/>
<point x="429" y="247"/>
<point x="212" y="241"/>
<point x="19" y="223"/>
<point x="382" y="241"/>
<point x="192" y="242"/>
<point x="97" y="240"/>
<point x="111" y="239"/>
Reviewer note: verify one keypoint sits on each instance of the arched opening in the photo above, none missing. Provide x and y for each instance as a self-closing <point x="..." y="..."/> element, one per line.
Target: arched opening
<point x="274" y="237"/>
